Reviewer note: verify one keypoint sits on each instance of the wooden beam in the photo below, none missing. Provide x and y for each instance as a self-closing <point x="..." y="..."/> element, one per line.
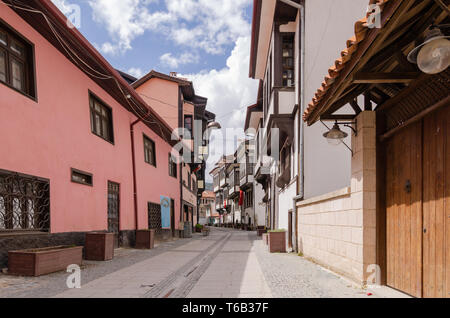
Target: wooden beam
<point x="426" y="111"/>
<point x="380" y="78"/>
<point x="391" y="16"/>
<point x="355" y="106"/>
<point x="367" y="102"/>
<point x="346" y="99"/>
<point x="394" y="100"/>
<point x="337" y="117"/>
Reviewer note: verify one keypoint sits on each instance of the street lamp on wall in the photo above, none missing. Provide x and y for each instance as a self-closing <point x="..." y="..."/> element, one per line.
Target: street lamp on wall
<point x="214" y="125"/>
<point x="433" y="55"/>
<point x="335" y="136"/>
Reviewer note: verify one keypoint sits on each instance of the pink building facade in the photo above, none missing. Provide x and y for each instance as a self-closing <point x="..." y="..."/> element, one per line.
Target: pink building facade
<point x="67" y="162"/>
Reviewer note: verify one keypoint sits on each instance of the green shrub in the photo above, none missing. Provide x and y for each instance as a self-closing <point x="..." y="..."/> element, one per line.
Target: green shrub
<point x="199" y="226"/>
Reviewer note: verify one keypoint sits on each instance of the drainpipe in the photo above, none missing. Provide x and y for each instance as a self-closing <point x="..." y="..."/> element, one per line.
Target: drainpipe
<point x="301" y="185"/>
<point x="133" y="159"/>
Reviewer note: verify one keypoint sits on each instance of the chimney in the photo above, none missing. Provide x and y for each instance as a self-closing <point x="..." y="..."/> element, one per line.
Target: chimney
<point x="173" y="74"/>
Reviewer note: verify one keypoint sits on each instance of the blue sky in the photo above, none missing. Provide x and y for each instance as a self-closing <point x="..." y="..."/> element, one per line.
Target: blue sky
<point x="147" y="47"/>
<point x="207" y="41"/>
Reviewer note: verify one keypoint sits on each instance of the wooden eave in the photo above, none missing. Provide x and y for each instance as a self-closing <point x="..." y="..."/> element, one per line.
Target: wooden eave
<point x="378" y="68"/>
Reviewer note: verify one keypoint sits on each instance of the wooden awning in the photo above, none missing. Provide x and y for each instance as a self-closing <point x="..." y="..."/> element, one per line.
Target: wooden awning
<point x="375" y="65"/>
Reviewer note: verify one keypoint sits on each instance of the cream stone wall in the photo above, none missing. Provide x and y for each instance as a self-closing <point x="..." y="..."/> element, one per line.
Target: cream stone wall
<point x="338" y="229"/>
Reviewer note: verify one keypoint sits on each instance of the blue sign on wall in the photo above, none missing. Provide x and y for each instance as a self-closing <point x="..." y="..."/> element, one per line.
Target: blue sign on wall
<point x="165" y="212"/>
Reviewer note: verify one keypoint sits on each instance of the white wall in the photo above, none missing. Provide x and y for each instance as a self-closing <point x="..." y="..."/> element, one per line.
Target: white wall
<point x="260" y="208"/>
<point x="285" y="198"/>
<point x="329" y="24"/>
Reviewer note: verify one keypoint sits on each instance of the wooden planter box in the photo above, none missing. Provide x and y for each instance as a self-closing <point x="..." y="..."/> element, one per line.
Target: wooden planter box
<point x="145" y="239"/>
<point x="99" y="246"/>
<point x="277" y="242"/>
<point x="41" y="261"/>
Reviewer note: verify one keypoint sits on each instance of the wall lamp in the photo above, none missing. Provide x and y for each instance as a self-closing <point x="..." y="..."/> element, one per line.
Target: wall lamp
<point x="214" y="125"/>
<point x="433" y="55"/>
<point x="335" y="136"/>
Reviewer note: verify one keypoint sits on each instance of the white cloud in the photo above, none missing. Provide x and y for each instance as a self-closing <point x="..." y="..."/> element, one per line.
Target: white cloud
<point x="125" y="20"/>
<point x="204" y="24"/>
<point x="229" y="92"/>
<point x="173" y="61"/>
<point x="136" y="72"/>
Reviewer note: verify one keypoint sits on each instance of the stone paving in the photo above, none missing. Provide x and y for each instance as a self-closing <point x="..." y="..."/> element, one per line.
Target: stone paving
<point x="226" y="264"/>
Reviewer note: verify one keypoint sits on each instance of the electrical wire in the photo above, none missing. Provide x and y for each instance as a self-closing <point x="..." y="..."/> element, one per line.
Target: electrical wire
<point x="74" y="56"/>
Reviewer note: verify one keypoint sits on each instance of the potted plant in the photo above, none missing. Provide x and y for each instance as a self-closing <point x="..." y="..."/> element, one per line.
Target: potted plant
<point x="145" y="239"/>
<point x="198" y="228"/>
<point x="277" y="241"/>
<point x="41" y="261"/>
<point x="99" y="246"/>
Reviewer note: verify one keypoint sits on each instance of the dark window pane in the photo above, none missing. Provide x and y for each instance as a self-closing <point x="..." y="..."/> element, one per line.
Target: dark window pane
<point x="3" y="38"/>
<point x="188" y="124"/>
<point x="17" y="48"/>
<point x="2" y="66"/>
<point x="81" y="177"/>
<point x="17" y="72"/>
<point x="101" y="119"/>
<point x="149" y="151"/>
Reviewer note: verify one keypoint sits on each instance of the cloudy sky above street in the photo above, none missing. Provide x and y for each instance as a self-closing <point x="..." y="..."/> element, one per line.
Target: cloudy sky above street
<point x="207" y="41"/>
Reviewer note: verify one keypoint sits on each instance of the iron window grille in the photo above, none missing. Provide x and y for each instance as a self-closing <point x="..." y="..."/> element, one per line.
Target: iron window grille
<point x="24" y="202"/>
<point x="154" y="217"/>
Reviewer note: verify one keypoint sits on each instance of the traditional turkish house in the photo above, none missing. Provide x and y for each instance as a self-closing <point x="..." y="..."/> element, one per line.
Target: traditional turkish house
<point x="81" y="149"/>
<point x="396" y="214"/>
<point x="253" y="126"/>
<point x="174" y="98"/>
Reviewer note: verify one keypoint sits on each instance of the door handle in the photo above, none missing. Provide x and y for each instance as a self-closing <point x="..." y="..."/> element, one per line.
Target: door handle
<point x="408" y="186"/>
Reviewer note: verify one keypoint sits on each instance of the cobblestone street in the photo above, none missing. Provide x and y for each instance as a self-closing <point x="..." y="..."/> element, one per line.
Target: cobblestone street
<point x="226" y="264"/>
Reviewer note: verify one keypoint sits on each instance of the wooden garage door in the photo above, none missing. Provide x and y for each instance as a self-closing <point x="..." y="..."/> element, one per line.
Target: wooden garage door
<point x="417" y="207"/>
<point x="436" y="208"/>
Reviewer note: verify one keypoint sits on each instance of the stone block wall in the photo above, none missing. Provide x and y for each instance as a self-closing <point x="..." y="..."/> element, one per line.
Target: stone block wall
<point x="338" y="229"/>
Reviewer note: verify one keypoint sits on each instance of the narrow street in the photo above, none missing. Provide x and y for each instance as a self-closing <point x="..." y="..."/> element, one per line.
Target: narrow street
<point x="225" y="264"/>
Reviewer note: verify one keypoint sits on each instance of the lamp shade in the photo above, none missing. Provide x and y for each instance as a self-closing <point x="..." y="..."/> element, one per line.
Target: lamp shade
<point x="214" y="125"/>
<point x="433" y="55"/>
<point x="335" y="135"/>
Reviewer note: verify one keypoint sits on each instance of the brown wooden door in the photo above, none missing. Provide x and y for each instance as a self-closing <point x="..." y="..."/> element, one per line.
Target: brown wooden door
<point x="404" y="211"/>
<point x="114" y="210"/>
<point x="436" y="208"/>
<point x="417" y="207"/>
<point x="290" y="229"/>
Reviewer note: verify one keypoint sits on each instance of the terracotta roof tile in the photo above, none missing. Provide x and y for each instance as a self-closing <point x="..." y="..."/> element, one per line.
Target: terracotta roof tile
<point x="361" y="29"/>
